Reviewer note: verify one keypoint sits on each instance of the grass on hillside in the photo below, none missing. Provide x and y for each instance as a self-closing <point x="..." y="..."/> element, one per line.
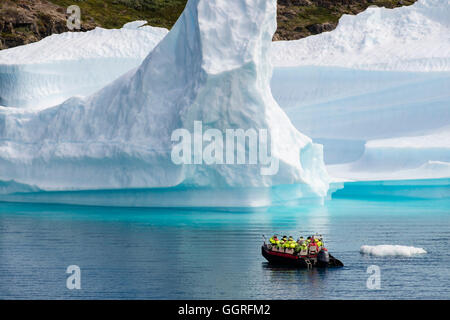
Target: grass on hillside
<point x="115" y="13"/>
<point x="297" y="25"/>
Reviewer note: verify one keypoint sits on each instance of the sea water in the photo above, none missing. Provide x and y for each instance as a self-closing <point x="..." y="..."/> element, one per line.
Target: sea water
<point x="144" y="253"/>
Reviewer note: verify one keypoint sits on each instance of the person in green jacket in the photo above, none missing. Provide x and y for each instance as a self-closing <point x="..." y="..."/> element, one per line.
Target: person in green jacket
<point x="301" y="246"/>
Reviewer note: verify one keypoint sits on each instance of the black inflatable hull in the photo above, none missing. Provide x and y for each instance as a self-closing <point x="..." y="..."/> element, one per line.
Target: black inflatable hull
<point x="286" y="259"/>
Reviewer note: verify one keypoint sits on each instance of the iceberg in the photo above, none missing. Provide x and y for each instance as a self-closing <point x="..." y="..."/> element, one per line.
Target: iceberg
<point x="391" y="250"/>
<point x="45" y="73"/>
<point x="375" y="92"/>
<point x="350" y="104"/>
<point x="307" y="71"/>
<point x="412" y="38"/>
<point x="213" y="67"/>
<point x="404" y="158"/>
<point x="382" y="74"/>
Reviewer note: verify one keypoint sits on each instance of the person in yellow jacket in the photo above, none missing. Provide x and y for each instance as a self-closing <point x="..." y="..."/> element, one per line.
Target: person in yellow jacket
<point x="286" y="243"/>
<point x="274" y="240"/>
<point x="319" y="243"/>
<point x="291" y="243"/>
<point x="283" y="242"/>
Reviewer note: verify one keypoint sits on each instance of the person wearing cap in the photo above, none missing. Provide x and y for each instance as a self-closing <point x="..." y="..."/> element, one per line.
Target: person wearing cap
<point x="283" y="242"/>
<point x="313" y="243"/>
<point x="274" y="240"/>
<point x="286" y="243"/>
<point x="291" y="243"/>
<point x="319" y="242"/>
<point x="301" y="245"/>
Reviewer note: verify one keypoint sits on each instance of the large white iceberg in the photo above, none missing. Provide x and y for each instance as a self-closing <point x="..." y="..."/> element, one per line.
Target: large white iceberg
<point x="381" y="74"/>
<point x="377" y="83"/>
<point x="212" y="67"/>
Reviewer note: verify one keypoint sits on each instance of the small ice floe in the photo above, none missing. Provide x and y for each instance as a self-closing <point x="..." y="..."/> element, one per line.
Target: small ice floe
<point x="391" y="250"/>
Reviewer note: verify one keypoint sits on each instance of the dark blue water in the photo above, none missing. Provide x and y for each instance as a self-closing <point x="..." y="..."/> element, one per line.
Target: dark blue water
<point x="198" y="254"/>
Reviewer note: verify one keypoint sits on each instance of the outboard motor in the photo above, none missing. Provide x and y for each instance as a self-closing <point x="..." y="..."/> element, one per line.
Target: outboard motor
<point x="323" y="258"/>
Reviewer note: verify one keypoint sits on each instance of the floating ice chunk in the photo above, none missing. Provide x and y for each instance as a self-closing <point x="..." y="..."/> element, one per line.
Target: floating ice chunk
<point x="391" y="250"/>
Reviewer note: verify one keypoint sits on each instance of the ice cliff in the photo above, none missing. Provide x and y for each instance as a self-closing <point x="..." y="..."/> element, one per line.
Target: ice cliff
<point x="213" y="67"/>
<point x="47" y="72"/>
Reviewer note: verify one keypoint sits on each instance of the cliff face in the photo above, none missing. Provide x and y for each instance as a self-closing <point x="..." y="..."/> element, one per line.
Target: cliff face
<point x="26" y="21"/>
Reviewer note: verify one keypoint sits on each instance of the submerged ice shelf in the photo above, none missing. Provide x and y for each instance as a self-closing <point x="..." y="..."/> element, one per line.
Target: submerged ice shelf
<point x="246" y="198"/>
<point x="175" y="197"/>
<point x="394" y="189"/>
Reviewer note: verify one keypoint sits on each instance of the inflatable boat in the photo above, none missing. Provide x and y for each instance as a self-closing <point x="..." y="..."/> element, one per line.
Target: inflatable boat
<point x="303" y="259"/>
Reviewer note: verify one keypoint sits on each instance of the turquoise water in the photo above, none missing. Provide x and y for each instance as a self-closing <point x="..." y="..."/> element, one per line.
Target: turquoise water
<point x="199" y="254"/>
